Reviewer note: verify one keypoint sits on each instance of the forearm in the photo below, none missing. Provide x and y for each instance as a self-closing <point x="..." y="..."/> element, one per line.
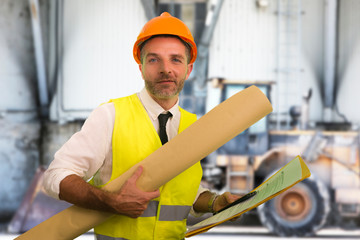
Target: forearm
<point x="75" y="190"/>
<point x="85" y="153"/>
<point x="129" y="200"/>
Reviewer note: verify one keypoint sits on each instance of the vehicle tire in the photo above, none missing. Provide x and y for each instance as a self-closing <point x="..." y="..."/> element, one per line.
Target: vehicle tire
<point x="299" y="211"/>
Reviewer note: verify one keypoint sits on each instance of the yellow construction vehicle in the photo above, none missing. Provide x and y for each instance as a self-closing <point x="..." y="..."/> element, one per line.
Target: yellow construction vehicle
<point x="330" y="195"/>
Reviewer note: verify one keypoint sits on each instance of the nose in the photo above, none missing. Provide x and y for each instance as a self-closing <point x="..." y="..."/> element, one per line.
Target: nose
<point x="165" y="68"/>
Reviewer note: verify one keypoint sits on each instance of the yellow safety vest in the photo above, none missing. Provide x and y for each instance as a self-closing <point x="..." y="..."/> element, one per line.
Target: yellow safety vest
<point x="134" y="138"/>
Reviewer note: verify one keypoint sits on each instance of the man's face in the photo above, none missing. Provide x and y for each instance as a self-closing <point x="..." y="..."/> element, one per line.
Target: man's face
<point x="165" y="67"/>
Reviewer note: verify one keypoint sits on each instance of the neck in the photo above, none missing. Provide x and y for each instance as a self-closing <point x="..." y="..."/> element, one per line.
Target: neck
<point x="166" y="103"/>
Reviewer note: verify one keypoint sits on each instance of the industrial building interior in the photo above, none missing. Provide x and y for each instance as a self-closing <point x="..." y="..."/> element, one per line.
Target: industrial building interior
<point x="60" y="59"/>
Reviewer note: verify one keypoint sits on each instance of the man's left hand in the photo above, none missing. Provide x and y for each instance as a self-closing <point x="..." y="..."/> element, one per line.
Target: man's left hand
<point x="223" y="200"/>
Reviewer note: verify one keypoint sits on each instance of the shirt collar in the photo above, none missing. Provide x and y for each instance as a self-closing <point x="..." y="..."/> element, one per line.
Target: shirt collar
<point x="153" y="108"/>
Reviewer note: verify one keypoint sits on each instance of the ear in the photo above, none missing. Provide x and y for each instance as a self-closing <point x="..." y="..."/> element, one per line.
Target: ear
<point x="140" y="68"/>
<point x="189" y="70"/>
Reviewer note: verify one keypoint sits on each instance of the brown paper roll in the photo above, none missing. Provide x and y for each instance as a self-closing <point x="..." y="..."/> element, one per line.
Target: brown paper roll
<point x="204" y="136"/>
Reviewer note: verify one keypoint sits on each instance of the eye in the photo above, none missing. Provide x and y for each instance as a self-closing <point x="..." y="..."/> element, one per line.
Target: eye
<point x="152" y="60"/>
<point x="176" y="60"/>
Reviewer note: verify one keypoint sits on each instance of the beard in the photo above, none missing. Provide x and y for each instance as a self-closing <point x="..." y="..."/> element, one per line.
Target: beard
<point x="164" y="91"/>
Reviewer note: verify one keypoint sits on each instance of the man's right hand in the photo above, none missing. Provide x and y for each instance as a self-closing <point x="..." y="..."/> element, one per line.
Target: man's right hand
<point x="129" y="200"/>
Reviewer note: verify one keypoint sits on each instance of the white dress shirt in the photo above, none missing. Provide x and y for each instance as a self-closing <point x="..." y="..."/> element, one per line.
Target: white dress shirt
<point x="88" y="153"/>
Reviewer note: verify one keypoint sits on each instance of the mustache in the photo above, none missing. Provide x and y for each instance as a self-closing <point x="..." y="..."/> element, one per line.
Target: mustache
<point x="165" y="77"/>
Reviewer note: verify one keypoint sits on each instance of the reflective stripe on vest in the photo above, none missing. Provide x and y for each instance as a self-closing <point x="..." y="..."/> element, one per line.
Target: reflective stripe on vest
<point x="134" y="138"/>
<point x="103" y="237"/>
<point x="167" y="212"/>
<point x="173" y="213"/>
<point x="151" y="210"/>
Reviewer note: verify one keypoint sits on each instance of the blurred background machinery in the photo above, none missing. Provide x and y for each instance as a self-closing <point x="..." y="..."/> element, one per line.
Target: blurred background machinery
<point x="60" y="59"/>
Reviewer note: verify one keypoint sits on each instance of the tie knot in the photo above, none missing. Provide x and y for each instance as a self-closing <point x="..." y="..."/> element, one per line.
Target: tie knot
<point x="163" y="118"/>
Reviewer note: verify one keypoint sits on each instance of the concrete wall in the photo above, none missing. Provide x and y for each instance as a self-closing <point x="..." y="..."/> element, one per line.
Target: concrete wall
<point x="19" y="158"/>
<point x="17" y="63"/>
<point x="245" y="46"/>
<point x="95" y="68"/>
<point x="96" y="62"/>
<point x="348" y="97"/>
<point x="19" y="124"/>
<point x="312" y="56"/>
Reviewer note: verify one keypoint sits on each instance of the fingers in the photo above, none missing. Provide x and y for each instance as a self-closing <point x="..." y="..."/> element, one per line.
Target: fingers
<point x="220" y="202"/>
<point x="224" y="199"/>
<point x="130" y="200"/>
<point x="135" y="177"/>
<point x="231" y="197"/>
<point x="153" y="194"/>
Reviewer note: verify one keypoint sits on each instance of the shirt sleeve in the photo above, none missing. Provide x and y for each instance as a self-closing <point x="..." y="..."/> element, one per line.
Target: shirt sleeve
<point x="84" y="153"/>
<point x="200" y="191"/>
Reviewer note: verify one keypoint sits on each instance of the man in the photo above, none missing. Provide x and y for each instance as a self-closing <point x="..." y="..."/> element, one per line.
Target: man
<point x="121" y="133"/>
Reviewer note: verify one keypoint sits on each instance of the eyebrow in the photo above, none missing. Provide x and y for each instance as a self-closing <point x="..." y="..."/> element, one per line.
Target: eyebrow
<point x="157" y="55"/>
<point x="151" y="55"/>
<point x="178" y="56"/>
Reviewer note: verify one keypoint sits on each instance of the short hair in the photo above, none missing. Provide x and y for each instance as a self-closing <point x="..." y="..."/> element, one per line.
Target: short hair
<point x="187" y="46"/>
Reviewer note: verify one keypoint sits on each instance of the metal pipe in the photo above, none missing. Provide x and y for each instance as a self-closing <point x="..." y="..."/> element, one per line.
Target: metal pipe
<point x="39" y="57"/>
<point x="278" y="24"/>
<point x="330" y="36"/>
<point x="203" y="47"/>
<point x="149" y="8"/>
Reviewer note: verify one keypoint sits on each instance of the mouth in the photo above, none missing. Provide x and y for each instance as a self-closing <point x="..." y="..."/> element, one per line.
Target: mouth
<point x="166" y="81"/>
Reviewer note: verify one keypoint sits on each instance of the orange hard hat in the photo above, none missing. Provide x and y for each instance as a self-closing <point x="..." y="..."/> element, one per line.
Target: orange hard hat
<point x="168" y="25"/>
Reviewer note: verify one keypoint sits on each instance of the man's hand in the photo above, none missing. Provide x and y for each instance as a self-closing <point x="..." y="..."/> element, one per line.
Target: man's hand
<point x="130" y="200"/>
<point x="203" y="203"/>
<point x="223" y="200"/>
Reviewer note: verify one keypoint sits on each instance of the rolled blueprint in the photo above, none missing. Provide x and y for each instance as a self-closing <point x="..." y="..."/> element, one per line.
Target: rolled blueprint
<point x="207" y="134"/>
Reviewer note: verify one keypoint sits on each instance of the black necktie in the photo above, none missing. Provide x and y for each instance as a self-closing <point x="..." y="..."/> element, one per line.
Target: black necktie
<point x="162" y="125"/>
